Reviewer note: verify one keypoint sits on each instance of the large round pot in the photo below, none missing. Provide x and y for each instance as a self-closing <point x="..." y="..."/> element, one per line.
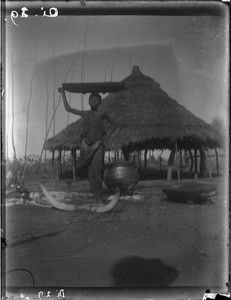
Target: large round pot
<point x="123" y="175"/>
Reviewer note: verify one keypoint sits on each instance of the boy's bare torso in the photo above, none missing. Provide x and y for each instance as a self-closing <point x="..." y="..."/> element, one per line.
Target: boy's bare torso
<point x="93" y="129"/>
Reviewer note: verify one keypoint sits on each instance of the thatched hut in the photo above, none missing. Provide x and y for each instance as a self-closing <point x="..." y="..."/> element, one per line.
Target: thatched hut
<point x="151" y="119"/>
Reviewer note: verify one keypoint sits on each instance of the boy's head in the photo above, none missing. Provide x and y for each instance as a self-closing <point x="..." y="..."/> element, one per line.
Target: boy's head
<point x="94" y="101"/>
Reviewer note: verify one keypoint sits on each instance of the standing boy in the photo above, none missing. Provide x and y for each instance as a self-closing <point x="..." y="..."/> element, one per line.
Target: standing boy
<point x="92" y="148"/>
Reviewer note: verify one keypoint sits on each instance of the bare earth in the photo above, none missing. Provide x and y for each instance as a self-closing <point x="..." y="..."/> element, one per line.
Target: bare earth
<point x="146" y="243"/>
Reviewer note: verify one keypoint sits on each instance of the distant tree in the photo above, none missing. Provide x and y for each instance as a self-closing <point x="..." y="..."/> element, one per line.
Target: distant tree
<point x="54" y="90"/>
<point x="83" y="62"/>
<point x="47" y="106"/>
<point x="12" y="108"/>
<point x="28" y="112"/>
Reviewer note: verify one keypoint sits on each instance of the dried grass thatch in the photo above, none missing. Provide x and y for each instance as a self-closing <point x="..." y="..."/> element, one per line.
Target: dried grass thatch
<point x="150" y="118"/>
<point x="67" y="139"/>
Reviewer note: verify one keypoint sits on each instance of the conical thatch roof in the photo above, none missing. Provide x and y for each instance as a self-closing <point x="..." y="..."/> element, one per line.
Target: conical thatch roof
<point x="67" y="139"/>
<point x="151" y="119"/>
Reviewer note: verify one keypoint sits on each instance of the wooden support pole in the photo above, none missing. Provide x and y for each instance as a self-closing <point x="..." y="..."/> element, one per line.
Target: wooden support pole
<point x="145" y="158"/>
<point x="52" y="164"/>
<point x="208" y="164"/>
<point x="58" y="165"/>
<point x="73" y="152"/>
<point x="139" y="160"/>
<point x="52" y="160"/>
<point x="60" y="161"/>
<point x="117" y="156"/>
<point x="196" y="165"/>
<point x="181" y="165"/>
<point x="217" y="161"/>
<point x="177" y="162"/>
<point x="192" y="161"/>
<point x="202" y="162"/>
<point x="170" y="163"/>
<point x="160" y="157"/>
<point x="134" y="157"/>
<point x="64" y="154"/>
<point x="57" y="169"/>
<point x="126" y="153"/>
<point x="109" y="156"/>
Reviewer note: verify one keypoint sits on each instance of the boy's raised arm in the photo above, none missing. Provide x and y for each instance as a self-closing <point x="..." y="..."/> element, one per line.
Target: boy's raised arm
<point x="67" y="106"/>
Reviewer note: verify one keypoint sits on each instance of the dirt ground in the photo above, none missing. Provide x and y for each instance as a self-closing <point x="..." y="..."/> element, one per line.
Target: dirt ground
<point x="148" y="243"/>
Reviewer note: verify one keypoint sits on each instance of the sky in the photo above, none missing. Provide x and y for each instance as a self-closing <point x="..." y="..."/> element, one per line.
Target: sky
<point x="186" y="55"/>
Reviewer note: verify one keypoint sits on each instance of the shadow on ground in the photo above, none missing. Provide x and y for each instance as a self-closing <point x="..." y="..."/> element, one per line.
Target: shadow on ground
<point x="136" y="271"/>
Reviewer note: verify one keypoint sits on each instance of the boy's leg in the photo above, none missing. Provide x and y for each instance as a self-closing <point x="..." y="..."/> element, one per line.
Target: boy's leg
<point x="98" y="188"/>
<point x="95" y="184"/>
<point x="97" y="176"/>
<point x="92" y="180"/>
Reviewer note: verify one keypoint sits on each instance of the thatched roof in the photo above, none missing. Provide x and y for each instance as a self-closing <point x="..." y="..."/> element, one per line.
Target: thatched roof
<point x="67" y="139"/>
<point x="150" y="118"/>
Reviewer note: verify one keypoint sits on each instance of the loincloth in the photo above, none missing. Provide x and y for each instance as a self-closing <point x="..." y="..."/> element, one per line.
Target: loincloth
<point x="87" y="152"/>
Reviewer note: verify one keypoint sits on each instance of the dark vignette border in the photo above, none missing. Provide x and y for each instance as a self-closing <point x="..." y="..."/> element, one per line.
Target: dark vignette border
<point x="96" y="7"/>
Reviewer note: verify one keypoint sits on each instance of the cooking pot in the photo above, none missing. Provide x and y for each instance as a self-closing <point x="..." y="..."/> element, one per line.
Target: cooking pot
<point x="123" y="175"/>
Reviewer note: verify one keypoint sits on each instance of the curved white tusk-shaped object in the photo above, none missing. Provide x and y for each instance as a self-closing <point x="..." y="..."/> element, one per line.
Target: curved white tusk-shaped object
<point x="54" y="202"/>
<point x="70" y="207"/>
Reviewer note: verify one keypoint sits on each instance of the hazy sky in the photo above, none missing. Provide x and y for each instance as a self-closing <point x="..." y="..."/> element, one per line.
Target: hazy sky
<point x="186" y="55"/>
